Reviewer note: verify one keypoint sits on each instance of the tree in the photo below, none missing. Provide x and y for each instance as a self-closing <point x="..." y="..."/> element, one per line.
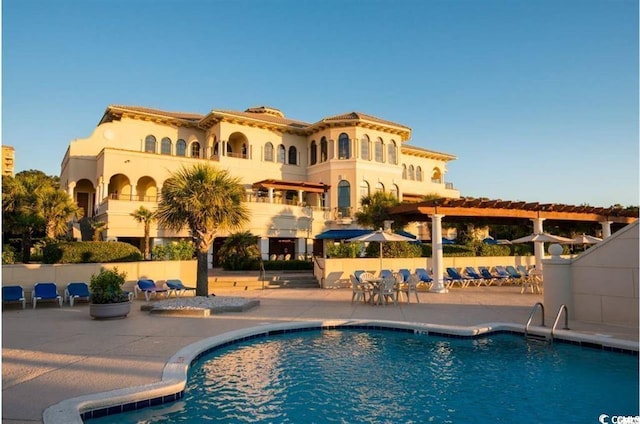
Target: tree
<point x="145" y="216"/>
<point x="97" y="227"/>
<point x="33" y="206"/>
<point x="240" y="251"/>
<point x="375" y="210"/>
<point x="57" y="209"/>
<point x="206" y="200"/>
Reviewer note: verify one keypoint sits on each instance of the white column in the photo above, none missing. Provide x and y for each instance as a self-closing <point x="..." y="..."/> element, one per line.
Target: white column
<point x="270" y="194"/>
<point x="606" y="229"/>
<point x="538" y="247"/>
<point x="300" y="197"/>
<point x="70" y="188"/>
<point x="264" y="248"/>
<point x="436" y="254"/>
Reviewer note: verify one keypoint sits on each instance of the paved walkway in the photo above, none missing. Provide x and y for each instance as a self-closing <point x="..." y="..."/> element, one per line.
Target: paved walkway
<point x="51" y="354"/>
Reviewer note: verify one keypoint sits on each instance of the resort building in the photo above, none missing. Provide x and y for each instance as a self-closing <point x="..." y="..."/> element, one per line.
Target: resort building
<point x="301" y="178"/>
<point x="8" y="160"/>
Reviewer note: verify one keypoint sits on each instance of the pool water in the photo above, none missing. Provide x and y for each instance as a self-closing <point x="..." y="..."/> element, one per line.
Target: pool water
<point x="374" y="376"/>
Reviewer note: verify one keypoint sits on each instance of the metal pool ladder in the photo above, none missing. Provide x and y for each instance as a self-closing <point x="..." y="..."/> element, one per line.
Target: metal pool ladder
<point x="535" y="337"/>
<point x="564" y="308"/>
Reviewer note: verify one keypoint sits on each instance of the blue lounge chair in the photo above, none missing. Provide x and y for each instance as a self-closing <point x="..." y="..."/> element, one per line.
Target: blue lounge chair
<point x="76" y="291"/>
<point x="503" y="273"/>
<point x="11" y="294"/>
<point x="178" y="288"/>
<point x="456" y="278"/>
<point x="489" y="277"/>
<point x="405" y="274"/>
<point x="358" y="273"/>
<point x="514" y="274"/>
<point x="45" y="291"/>
<point x="386" y="273"/>
<point x="423" y="275"/>
<point x="475" y="278"/>
<point x="148" y="287"/>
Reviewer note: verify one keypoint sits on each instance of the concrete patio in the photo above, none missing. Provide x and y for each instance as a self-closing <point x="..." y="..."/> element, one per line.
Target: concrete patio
<point x="51" y="354"/>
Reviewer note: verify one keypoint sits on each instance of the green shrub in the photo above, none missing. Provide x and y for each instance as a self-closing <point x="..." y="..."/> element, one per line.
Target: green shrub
<point x="394" y="249"/>
<point x="494" y="250"/>
<point x="90" y="252"/>
<point x="182" y="250"/>
<point x="106" y="287"/>
<point x="344" y="250"/>
<point x="293" y="265"/>
<point x="8" y="255"/>
<point x="240" y="252"/>
<point x="449" y="250"/>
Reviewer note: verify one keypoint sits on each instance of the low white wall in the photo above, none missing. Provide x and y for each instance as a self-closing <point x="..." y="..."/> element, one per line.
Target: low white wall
<point x="27" y="275"/>
<point x="602" y="282"/>
<point x="334" y="272"/>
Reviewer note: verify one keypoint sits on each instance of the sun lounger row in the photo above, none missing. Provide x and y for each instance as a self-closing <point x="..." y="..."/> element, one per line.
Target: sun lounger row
<point x="48" y="292"/>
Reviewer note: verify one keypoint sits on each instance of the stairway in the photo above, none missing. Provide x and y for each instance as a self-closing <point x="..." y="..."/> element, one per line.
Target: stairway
<point x="250" y="280"/>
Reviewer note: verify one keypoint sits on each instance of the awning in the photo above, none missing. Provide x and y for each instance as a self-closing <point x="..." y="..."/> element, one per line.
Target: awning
<point x="292" y="185"/>
<point x="347" y="234"/>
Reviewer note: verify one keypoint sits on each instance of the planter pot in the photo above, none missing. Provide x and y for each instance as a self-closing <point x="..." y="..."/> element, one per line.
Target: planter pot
<point x="109" y="310"/>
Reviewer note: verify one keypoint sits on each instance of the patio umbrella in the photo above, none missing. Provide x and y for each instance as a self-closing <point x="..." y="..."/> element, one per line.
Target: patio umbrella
<point x="381" y="237"/>
<point x="584" y="239"/>
<point x="542" y="238"/>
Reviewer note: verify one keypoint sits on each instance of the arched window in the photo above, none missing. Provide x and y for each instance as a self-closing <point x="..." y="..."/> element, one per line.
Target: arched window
<point x="293" y="155"/>
<point x="314" y="153"/>
<point x="404" y="171"/>
<point x="282" y="154"/>
<point x="418" y="173"/>
<point x="324" y="150"/>
<point x="392" y="157"/>
<point x="380" y="187"/>
<point x="150" y="144"/>
<point x="216" y="149"/>
<point x="181" y="147"/>
<point x="436" y="176"/>
<point x="243" y="150"/>
<point x="379" y="150"/>
<point x="365" y="144"/>
<point x="364" y="189"/>
<point x="344" y="151"/>
<point x="165" y="146"/>
<point x="394" y="191"/>
<point x="344" y="198"/>
<point x="195" y="149"/>
<point x="411" y="173"/>
<point x="268" y="152"/>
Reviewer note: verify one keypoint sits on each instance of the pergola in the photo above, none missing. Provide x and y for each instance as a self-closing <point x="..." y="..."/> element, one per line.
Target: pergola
<point x="502" y="212"/>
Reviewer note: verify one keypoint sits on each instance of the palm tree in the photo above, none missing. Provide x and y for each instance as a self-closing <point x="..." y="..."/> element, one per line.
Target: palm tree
<point x="57" y="209"/>
<point x="144" y="216"/>
<point x="205" y="199"/>
<point x="97" y="227"/>
<point x="375" y="210"/>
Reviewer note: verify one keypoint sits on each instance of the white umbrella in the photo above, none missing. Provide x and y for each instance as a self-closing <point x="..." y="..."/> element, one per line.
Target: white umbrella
<point x="542" y="238"/>
<point x="381" y="237"/>
<point x="585" y="239"/>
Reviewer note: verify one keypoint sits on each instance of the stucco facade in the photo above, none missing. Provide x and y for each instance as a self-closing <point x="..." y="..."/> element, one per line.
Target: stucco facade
<point x="300" y="178"/>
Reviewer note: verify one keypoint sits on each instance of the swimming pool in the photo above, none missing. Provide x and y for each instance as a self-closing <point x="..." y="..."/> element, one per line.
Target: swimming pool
<point x="376" y="375"/>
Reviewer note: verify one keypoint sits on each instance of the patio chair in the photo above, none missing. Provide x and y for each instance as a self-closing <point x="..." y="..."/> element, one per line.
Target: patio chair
<point x="359" y="290"/>
<point x="410" y="285"/>
<point x="503" y="273"/>
<point x="358" y="273"/>
<point x="533" y="282"/>
<point x="424" y="278"/>
<point x="475" y="278"/>
<point x="76" y="291"/>
<point x="405" y="274"/>
<point x="514" y="274"/>
<point x="178" y="288"/>
<point x="386" y="291"/>
<point x="454" y="277"/>
<point x="12" y="294"/>
<point x="386" y="273"/>
<point x="45" y="291"/>
<point x="148" y="287"/>
<point x="498" y="280"/>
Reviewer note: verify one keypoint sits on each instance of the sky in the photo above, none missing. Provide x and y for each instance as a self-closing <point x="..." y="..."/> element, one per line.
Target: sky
<point x="537" y="99"/>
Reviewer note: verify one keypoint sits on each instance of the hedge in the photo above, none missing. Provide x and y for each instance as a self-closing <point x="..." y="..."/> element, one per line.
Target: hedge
<point x="293" y="265"/>
<point x="90" y="252"/>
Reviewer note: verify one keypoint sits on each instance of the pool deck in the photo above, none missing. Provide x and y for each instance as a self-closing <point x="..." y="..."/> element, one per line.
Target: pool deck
<point x="51" y="354"/>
